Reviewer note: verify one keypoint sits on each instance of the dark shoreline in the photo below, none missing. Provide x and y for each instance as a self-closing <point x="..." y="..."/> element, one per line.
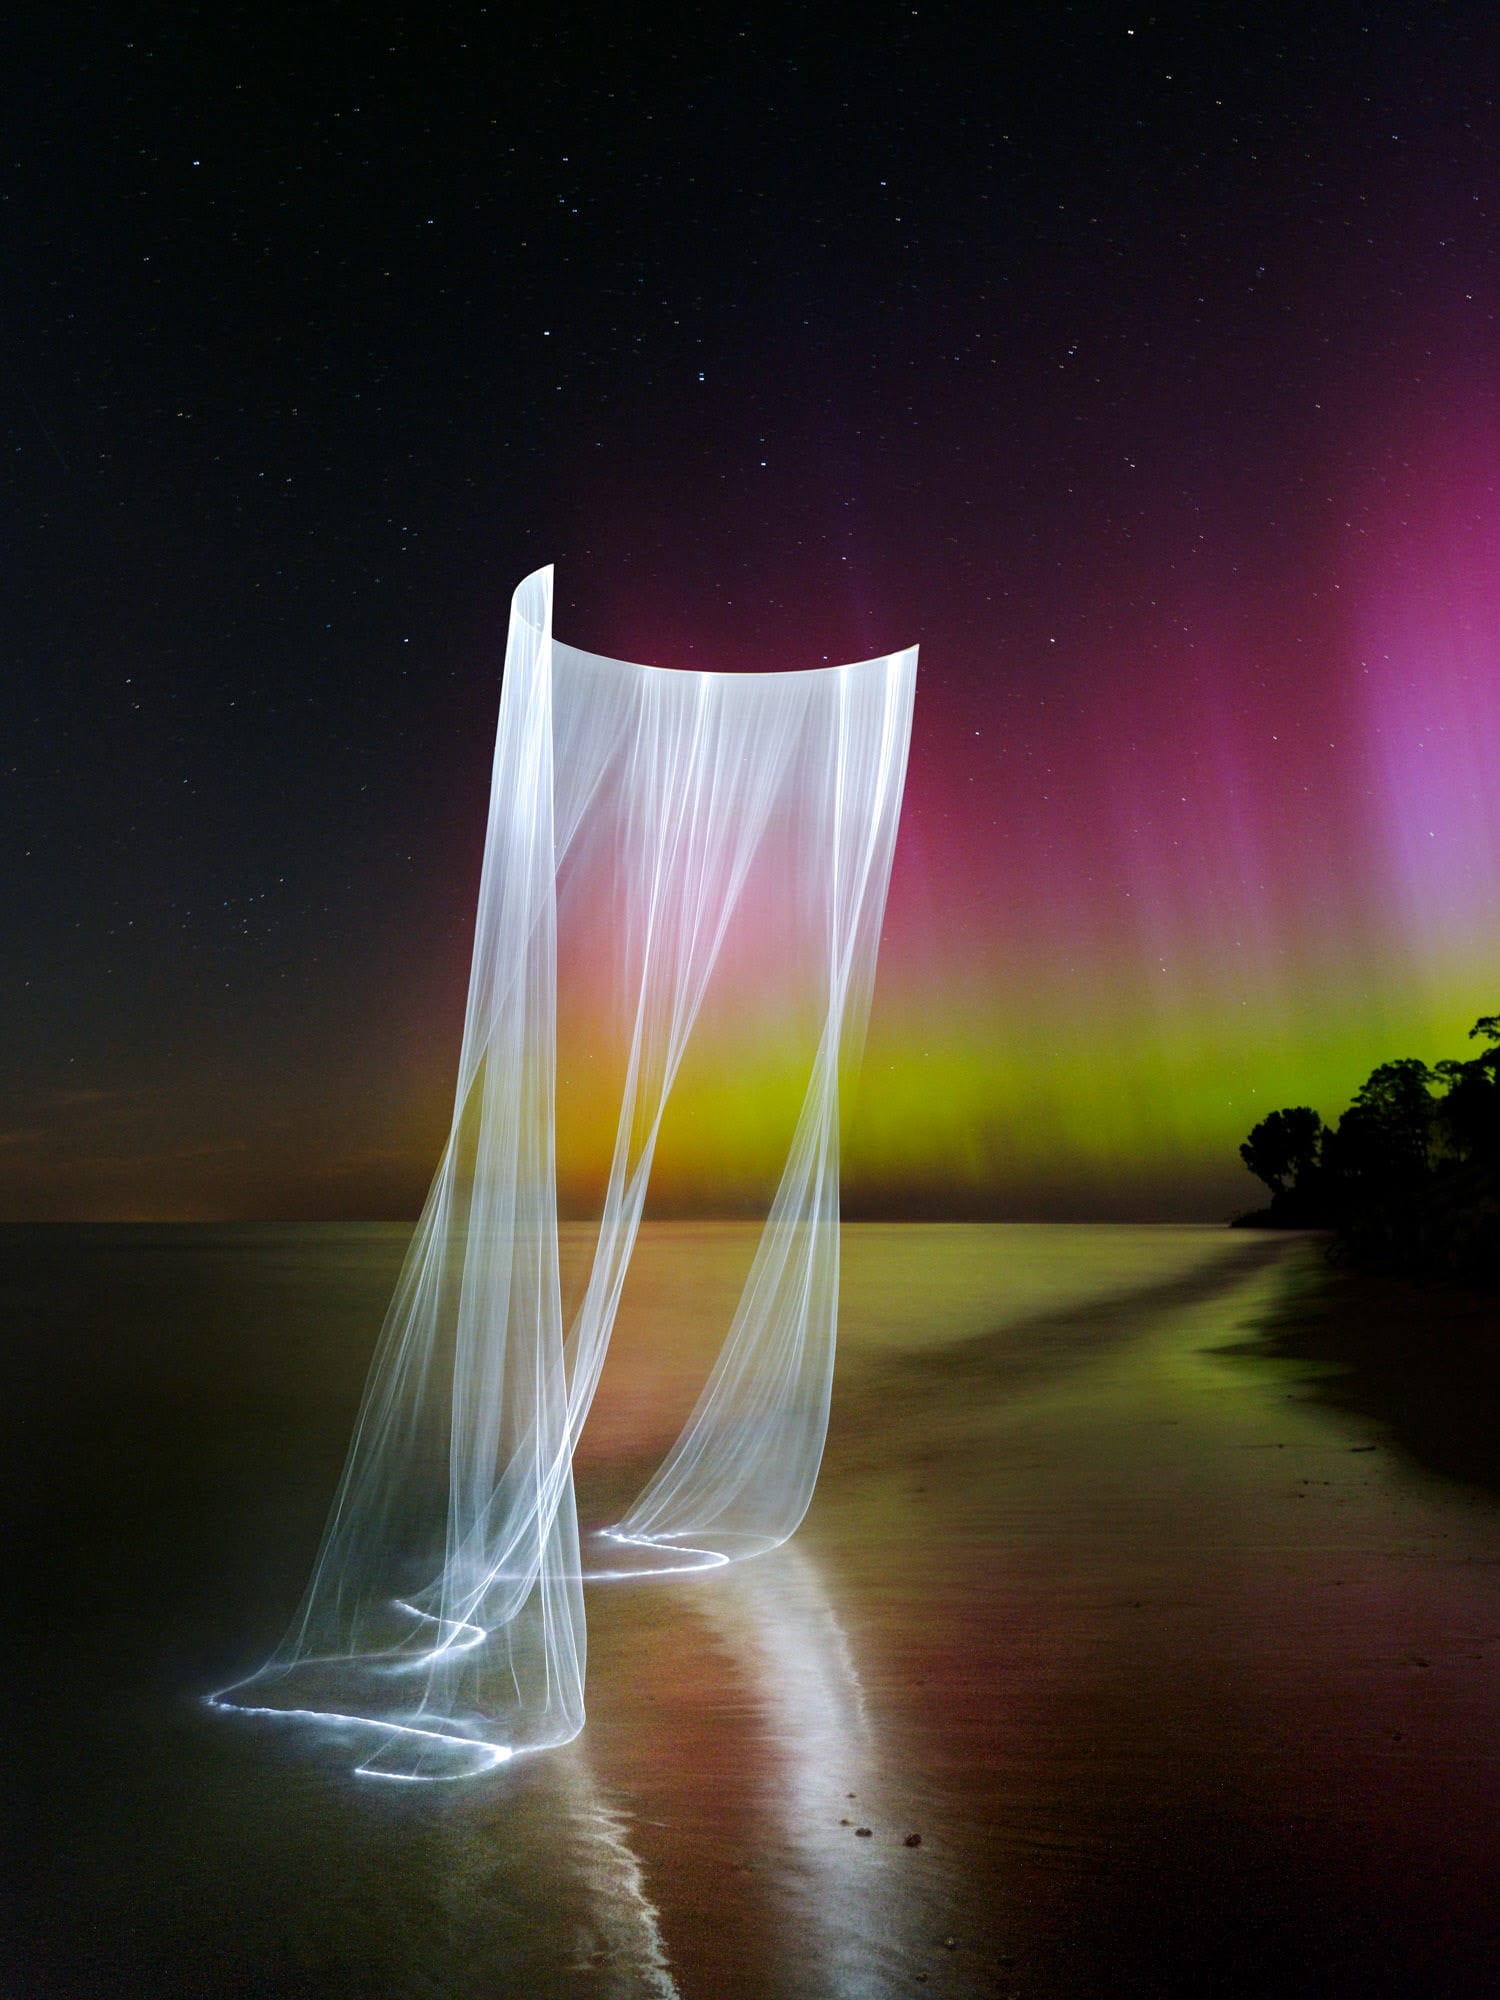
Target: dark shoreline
<point x="1420" y="1359"/>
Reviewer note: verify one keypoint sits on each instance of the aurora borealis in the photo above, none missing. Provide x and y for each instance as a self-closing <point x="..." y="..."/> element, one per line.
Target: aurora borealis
<point x="1260" y="852"/>
<point x="1144" y="371"/>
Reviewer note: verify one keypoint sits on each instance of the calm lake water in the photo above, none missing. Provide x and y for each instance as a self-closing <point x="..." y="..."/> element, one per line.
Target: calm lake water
<point x="1174" y="1636"/>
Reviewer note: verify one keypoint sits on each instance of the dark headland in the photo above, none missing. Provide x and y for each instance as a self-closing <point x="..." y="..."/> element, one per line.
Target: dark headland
<point x="1407" y="1181"/>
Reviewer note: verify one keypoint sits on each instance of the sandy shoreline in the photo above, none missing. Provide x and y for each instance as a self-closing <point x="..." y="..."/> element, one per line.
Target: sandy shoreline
<point x="1174" y="1650"/>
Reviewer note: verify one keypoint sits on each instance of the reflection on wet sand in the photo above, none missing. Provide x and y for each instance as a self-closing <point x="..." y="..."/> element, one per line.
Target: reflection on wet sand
<point x="772" y="1825"/>
<point x="1184" y="1675"/>
<point x="635" y="1955"/>
<point x="820" y="1751"/>
<point x="1181" y="1684"/>
<point x="618" y="1949"/>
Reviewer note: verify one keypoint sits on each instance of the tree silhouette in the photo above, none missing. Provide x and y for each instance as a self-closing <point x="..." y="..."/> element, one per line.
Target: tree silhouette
<point x="1409" y="1178"/>
<point x="1469" y="1115"/>
<point x="1381" y="1144"/>
<point x="1284" y="1148"/>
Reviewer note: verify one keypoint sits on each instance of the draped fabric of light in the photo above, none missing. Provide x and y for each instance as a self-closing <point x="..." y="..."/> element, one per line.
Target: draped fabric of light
<point x="671" y="825"/>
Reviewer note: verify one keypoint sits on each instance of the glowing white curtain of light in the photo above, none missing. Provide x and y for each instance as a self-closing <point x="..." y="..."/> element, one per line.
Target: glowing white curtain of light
<point x="445" y="1609"/>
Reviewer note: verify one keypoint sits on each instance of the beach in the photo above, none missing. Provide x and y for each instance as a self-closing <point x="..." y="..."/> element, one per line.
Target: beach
<point x="1135" y="1643"/>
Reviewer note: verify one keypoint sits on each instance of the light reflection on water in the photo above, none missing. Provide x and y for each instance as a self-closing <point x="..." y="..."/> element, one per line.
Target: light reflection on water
<point x="1147" y="1642"/>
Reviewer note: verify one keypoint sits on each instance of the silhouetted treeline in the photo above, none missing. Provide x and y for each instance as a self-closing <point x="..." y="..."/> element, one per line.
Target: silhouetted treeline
<point x="1409" y="1178"/>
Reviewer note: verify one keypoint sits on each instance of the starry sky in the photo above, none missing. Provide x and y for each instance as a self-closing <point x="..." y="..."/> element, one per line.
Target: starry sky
<point x="1140" y="365"/>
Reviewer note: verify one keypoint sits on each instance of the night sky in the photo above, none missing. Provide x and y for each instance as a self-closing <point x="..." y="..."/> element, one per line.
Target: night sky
<point x="1142" y="367"/>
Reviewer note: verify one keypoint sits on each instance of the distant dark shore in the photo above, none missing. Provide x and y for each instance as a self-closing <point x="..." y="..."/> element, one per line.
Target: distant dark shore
<point x="1267" y="1218"/>
<point x="1420" y="1358"/>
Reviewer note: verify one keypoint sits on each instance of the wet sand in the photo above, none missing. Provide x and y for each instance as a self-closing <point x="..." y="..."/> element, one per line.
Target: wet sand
<point x="1170" y="1633"/>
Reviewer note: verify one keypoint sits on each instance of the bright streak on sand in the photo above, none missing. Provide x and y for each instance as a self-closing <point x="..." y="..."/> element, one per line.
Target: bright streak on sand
<point x="673" y="829"/>
<point x="490" y="1755"/>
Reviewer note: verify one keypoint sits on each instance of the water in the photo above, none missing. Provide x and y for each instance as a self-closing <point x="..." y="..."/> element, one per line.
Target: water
<point x="1169" y="1634"/>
